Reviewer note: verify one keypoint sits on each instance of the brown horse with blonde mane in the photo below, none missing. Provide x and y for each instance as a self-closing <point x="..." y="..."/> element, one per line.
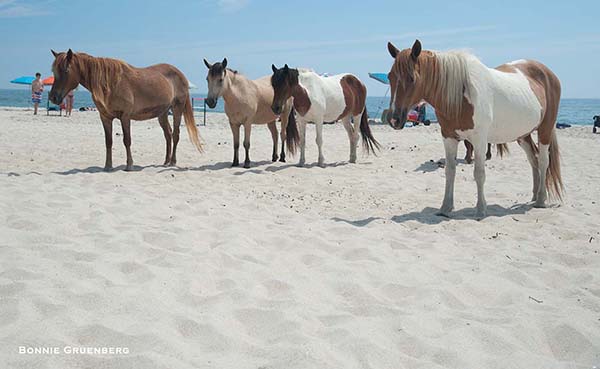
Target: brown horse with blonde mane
<point x="482" y="105"/>
<point x="121" y="91"/>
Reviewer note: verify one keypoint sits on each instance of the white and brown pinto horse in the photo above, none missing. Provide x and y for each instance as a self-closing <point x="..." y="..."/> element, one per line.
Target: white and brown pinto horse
<point x="248" y="102"/>
<point x="121" y="91"/>
<point x="480" y="104"/>
<point x="321" y="99"/>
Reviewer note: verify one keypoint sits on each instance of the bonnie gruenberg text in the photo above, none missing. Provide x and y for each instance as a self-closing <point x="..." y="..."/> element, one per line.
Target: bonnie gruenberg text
<point x="72" y="350"/>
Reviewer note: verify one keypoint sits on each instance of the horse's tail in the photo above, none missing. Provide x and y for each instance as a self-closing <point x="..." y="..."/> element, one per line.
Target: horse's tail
<point x="369" y="142"/>
<point x="190" y="124"/>
<point x="502" y="150"/>
<point x="554" y="183"/>
<point x="292" y="137"/>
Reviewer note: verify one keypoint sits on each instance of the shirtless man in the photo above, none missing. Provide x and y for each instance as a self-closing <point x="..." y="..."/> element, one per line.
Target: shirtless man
<point x="37" y="88"/>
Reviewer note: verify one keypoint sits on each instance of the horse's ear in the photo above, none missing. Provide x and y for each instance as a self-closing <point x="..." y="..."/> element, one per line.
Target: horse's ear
<point x="207" y="64"/>
<point x="416" y="50"/>
<point x="286" y="68"/>
<point x="224" y="63"/>
<point x="274" y="68"/>
<point x="393" y="50"/>
<point x="54" y="53"/>
<point x="69" y="55"/>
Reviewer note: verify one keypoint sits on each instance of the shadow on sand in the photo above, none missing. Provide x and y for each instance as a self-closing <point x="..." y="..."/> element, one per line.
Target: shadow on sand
<point x="432" y="166"/>
<point x="95" y="169"/>
<point x="429" y="216"/>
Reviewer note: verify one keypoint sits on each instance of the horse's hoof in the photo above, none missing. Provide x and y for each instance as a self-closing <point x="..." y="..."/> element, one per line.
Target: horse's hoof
<point x="282" y="160"/>
<point x="247" y="165"/>
<point x="173" y="163"/>
<point x="352" y="160"/>
<point x="235" y="164"/>
<point x="275" y="158"/>
<point x="444" y="213"/>
<point x="540" y="205"/>
<point x="300" y="164"/>
<point x="129" y="168"/>
<point x="108" y="168"/>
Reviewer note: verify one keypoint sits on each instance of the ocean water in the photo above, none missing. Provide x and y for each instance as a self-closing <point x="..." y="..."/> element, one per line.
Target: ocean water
<point x="572" y="111"/>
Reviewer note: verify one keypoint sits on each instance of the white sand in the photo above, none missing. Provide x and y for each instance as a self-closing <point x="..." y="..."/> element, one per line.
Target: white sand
<point x="207" y="266"/>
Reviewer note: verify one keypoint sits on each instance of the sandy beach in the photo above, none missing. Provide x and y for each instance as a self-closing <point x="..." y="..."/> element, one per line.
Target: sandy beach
<point x="208" y="266"/>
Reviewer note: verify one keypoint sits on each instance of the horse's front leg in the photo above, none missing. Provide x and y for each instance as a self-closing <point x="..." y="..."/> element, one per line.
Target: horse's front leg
<point x="319" y="140"/>
<point x="480" y="149"/>
<point x="450" y="147"/>
<point x="108" y="140"/>
<point x="274" y="135"/>
<point x="235" y="130"/>
<point x="126" y="126"/>
<point x="247" y="130"/>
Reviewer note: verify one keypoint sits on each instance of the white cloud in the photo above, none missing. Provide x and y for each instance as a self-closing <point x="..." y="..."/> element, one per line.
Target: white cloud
<point x="18" y="9"/>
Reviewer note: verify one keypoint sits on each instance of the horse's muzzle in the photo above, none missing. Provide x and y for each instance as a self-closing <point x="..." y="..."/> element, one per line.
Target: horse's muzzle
<point x="276" y="109"/>
<point x="55" y="98"/>
<point x="211" y="102"/>
<point x="396" y="119"/>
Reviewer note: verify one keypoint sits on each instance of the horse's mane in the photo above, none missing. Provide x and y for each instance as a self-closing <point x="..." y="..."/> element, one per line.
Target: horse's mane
<point x="101" y="74"/>
<point x="453" y="80"/>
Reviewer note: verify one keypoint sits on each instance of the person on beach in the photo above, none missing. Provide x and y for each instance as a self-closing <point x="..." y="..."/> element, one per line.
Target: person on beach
<point x="37" y="88"/>
<point x="69" y="100"/>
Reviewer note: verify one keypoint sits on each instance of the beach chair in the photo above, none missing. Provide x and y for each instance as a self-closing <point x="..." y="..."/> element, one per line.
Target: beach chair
<point x="51" y="107"/>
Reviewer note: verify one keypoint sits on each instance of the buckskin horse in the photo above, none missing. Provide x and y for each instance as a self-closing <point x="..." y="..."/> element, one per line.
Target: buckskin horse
<point x="248" y="102"/>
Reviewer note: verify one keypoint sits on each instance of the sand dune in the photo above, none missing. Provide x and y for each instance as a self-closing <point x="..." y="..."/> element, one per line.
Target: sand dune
<point x="207" y="266"/>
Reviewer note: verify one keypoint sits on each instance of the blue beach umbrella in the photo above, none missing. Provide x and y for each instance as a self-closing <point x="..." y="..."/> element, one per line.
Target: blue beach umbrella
<point x="25" y="80"/>
<point x="381" y="77"/>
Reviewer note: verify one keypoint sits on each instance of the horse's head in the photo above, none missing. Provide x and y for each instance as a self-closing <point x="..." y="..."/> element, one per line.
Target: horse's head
<point x="216" y="81"/>
<point x="284" y="81"/>
<point x="405" y="82"/>
<point x="66" y="75"/>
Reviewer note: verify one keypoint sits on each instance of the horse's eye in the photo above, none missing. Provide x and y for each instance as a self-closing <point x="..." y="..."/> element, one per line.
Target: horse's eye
<point x="221" y="80"/>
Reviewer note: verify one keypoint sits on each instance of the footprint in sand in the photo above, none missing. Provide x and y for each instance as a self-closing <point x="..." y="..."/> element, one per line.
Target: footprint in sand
<point x="136" y="271"/>
<point x="206" y="337"/>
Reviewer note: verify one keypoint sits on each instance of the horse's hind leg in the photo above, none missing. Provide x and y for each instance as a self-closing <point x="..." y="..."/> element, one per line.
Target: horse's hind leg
<point x="350" y="131"/>
<point x="274" y="135"/>
<point x="469" y="153"/>
<point x="126" y="125"/>
<point x="354" y="140"/>
<point x="528" y="146"/>
<point x="177" y="113"/>
<point x="544" y="161"/>
<point x="302" y="133"/>
<point x="108" y="141"/>
<point x="163" y="120"/>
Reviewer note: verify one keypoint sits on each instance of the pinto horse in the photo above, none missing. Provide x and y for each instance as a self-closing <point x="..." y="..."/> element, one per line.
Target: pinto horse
<point x="318" y="99"/>
<point x="482" y="105"/>
<point x="248" y="102"/>
<point x="124" y="92"/>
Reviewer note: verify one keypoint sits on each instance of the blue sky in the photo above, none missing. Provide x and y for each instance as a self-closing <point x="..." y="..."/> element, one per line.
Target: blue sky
<point x="329" y="36"/>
